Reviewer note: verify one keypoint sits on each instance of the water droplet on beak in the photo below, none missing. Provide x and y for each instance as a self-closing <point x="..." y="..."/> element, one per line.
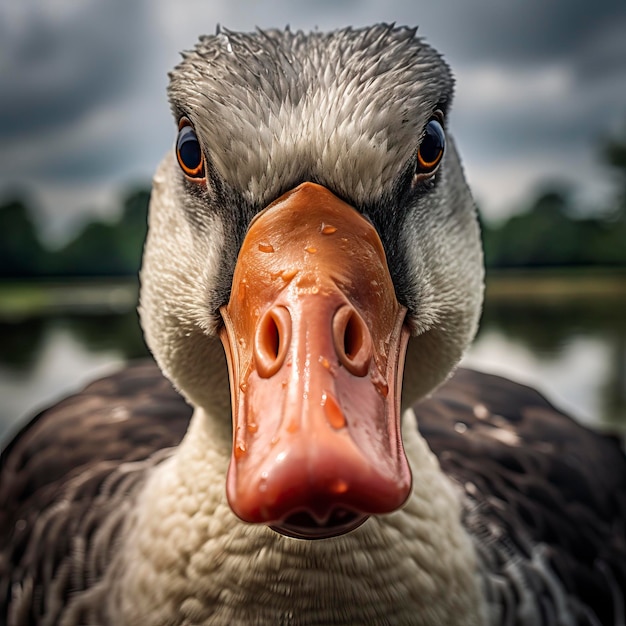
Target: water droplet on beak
<point x="240" y="449"/>
<point x="333" y="411"/>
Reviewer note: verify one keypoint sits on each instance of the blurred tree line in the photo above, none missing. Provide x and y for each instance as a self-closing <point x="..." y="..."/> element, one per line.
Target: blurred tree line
<point x="547" y="234"/>
<point x="101" y="248"/>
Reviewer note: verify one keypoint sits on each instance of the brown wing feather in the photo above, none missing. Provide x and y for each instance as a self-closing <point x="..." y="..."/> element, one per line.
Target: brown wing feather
<point x="531" y="476"/>
<point x="58" y="484"/>
<point x="536" y="482"/>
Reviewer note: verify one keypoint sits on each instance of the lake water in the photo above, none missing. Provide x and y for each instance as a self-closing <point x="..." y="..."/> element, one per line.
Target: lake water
<point x="574" y="352"/>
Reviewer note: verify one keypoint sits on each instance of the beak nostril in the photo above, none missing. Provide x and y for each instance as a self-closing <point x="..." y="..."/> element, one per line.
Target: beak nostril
<point x="271" y="340"/>
<point x="353" y="337"/>
<point x="270" y="337"/>
<point x="353" y="341"/>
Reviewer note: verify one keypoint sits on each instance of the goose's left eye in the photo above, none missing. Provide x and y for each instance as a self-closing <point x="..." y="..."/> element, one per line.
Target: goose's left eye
<point x="431" y="149"/>
<point x="189" y="152"/>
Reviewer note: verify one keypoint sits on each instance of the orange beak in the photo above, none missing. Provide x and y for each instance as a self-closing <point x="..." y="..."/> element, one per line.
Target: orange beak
<point x="315" y="341"/>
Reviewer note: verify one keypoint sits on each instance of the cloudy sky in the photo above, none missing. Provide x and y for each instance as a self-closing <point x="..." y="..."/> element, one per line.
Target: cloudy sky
<point x="83" y="111"/>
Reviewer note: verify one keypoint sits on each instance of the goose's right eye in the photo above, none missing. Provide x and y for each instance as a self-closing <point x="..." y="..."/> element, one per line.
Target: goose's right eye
<point x="189" y="152"/>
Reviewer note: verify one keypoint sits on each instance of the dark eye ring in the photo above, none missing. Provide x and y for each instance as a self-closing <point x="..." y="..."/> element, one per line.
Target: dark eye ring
<point x="431" y="148"/>
<point x="189" y="152"/>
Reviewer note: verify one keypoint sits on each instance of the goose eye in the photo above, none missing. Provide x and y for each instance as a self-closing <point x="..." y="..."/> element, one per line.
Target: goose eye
<point x="431" y="149"/>
<point x="189" y="152"/>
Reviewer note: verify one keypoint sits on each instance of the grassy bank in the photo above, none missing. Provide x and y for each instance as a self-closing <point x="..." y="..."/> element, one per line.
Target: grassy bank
<point x="556" y="284"/>
<point x="27" y="299"/>
<point x="102" y="295"/>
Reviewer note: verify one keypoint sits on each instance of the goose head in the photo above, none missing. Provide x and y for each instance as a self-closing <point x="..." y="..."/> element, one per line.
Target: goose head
<point x="313" y="257"/>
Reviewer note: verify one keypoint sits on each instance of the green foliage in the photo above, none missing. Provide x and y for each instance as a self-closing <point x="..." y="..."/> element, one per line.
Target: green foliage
<point x="614" y="155"/>
<point x="100" y="249"/>
<point x="21" y="252"/>
<point x="546" y="236"/>
<point x="108" y="249"/>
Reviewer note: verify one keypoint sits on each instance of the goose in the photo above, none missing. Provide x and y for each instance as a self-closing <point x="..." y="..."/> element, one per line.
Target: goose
<point x="306" y="450"/>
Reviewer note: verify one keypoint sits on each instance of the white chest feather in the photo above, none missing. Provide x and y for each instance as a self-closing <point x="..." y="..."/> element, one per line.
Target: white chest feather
<point x="189" y="560"/>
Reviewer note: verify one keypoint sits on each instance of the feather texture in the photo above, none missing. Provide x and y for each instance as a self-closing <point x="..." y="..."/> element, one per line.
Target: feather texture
<point x="542" y="496"/>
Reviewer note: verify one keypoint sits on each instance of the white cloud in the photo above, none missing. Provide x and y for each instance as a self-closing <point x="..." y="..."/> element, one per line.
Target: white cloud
<point x="491" y="86"/>
<point x="505" y="186"/>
